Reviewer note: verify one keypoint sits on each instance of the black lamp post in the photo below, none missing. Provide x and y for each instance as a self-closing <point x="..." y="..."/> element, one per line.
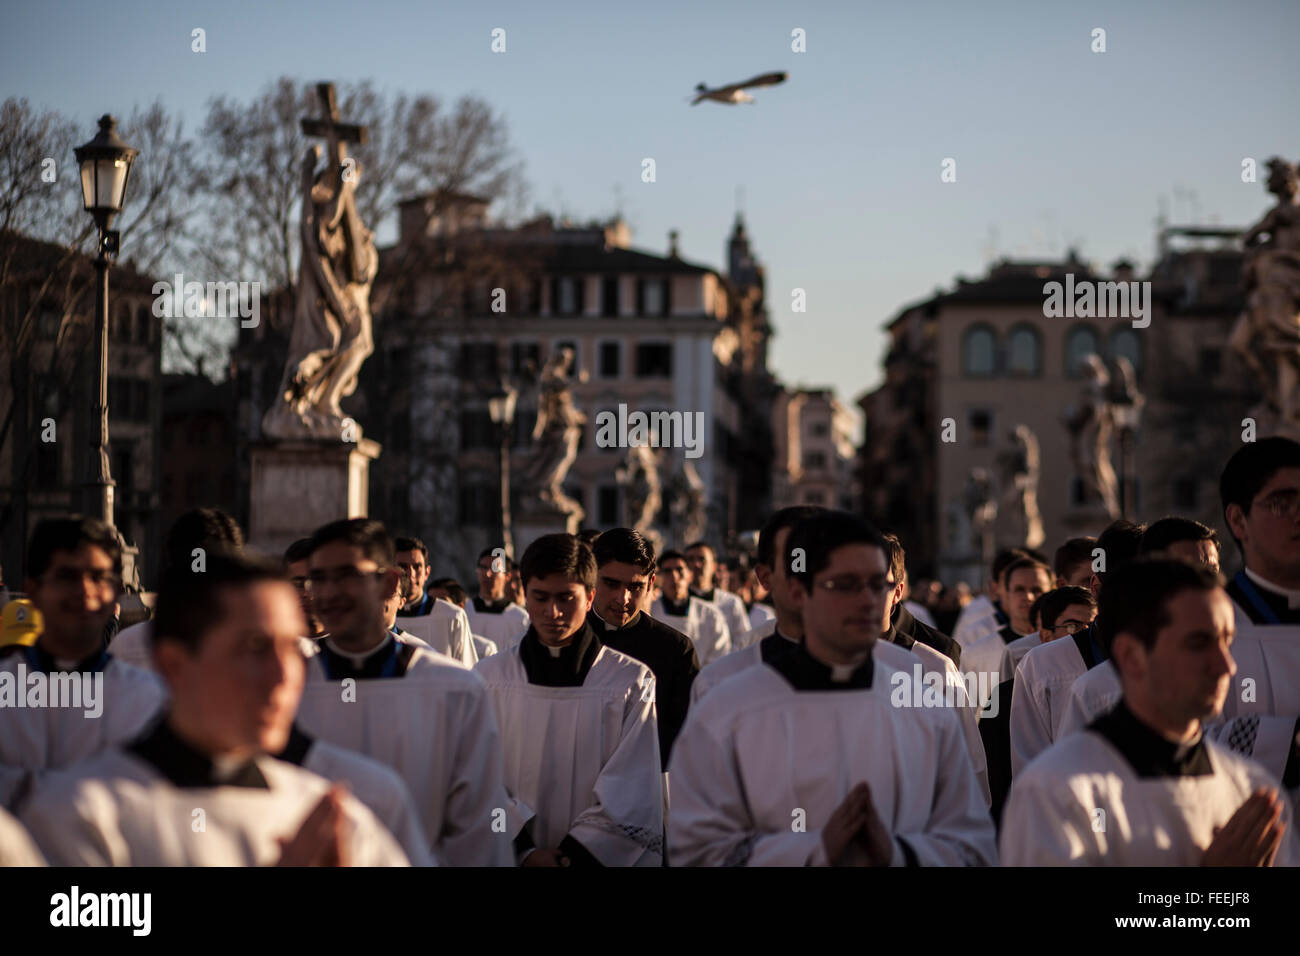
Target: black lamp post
<point x="105" y="168"/>
<point x="501" y="408"/>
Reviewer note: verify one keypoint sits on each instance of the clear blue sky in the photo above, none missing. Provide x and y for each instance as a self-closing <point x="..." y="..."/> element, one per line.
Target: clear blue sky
<point x="840" y="166"/>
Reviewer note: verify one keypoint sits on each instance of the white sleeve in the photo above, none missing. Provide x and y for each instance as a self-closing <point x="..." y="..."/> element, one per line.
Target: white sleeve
<point x="715" y="637"/>
<point x="737" y="622"/>
<point x="1030" y="724"/>
<point x="16" y="847"/>
<point x="1044" y="825"/>
<point x="624" y="826"/>
<point x="710" y="823"/>
<point x="1267" y="739"/>
<point x="1076" y="715"/>
<point x="461" y="645"/>
<point x="968" y="716"/>
<point x="65" y="826"/>
<point x="476" y="789"/>
<point x="959" y="831"/>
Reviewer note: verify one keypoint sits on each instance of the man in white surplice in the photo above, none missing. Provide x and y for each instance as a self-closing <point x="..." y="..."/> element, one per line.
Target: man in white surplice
<point x="577" y="725"/>
<point x="704" y="585"/>
<point x="1143" y="785"/>
<point x="677" y="607"/>
<point x="491" y="612"/>
<point x="197" y="787"/>
<point x="410" y="707"/>
<point x="824" y="753"/>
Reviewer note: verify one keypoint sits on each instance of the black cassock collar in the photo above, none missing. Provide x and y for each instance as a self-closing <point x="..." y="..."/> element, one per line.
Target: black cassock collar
<point x="804" y="672"/>
<point x="705" y="595"/>
<point x="567" y="669"/>
<point x="675" y="609"/>
<point x="491" y="607"/>
<point x="184" y="766"/>
<point x="1150" y="754"/>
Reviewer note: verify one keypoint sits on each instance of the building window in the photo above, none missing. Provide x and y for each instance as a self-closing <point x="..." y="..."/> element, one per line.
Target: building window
<point x="607" y="506"/>
<point x="49" y="321"/>
<point x="477" y="430"/>
<point x="479" y="504"/>
<point x="609" y="296"/>
<point x="814" y="459"/>
<point x="567" y="300"/>
<point x="1125" y="343"/>
<point x="525" y="357"/>
<point x="654" y="298"/>
<point x="814" y="498"/>
<point x="47" y="464"/>
<point x="654" y="360"/>
<point x="141" y="408"/>
<point x="478" y="360"/>
<point x="1024" y="352"/>
<point x="979" y="352"/>
<point x="1185" y="494"/>
<point x="611" y="360"/>
<point x="1081" y="342"/>
<point x="819" y="429"/>
<point x="981" y="427"/>
<point x="143" y="325"/>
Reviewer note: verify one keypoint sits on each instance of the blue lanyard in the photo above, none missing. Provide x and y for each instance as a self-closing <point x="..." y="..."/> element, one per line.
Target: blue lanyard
<point x="388" y="670"/>
<point x="1253" y="596"/>
<point x="34" y="661"/>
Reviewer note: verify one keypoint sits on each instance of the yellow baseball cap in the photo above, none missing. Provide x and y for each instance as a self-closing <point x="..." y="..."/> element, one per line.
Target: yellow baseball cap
<point x="20" y="623"/>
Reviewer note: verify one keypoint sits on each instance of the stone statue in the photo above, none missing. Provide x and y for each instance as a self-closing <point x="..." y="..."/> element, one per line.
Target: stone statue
<point x="982" y="509"/>
<point x="1090" y="425"/>
<point x="1020" y="471"/>
<point x="556" y="434"/>
<point x="331" y="335"/>
<point x="639" y="476"/>
<point x="687" y="505"/>
<point x="1267" y="334"/>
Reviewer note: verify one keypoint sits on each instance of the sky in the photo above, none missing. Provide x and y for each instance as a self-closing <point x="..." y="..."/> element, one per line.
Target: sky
<point x="1055" y="144"/>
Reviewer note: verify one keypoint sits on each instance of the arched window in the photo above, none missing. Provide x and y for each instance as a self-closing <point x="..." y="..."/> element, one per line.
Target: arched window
<point x="121" y="328"/>
<point x="142" y="318"/>
<point x="979" y="350"/>
<point x="1125" y="342"/>
<point x="1081" y="342"/>
<point x="1024" y="352"/>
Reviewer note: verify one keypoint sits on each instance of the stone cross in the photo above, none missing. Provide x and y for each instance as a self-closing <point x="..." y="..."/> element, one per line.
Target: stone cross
<point x="329" y="127"/>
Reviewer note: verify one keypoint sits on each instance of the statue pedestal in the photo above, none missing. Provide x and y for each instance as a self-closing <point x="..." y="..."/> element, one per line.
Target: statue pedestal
<point x="297" y="486"/>
<point x="531" y="525"/>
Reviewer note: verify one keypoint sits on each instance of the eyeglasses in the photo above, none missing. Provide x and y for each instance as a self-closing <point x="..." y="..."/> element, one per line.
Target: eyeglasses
<point x="349" y="576"/>
<point x="1282" y="504"/>
<point x="854" y="586"/>
<point x="1070" y="627"/>
<point x="73" y="577"/>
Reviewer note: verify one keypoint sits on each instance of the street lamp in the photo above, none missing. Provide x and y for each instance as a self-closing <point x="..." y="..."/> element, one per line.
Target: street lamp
<point x="105" y="168"/>
<point x="501" y="408"/>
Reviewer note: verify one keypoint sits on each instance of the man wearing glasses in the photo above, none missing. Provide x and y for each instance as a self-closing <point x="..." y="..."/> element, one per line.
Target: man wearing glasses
<point x="409" y="707"/>
<point x="72" y="577"/>
<point x="749" y="771"/>
<point x="1060" y="613"/>
<point x="492" y="613"/>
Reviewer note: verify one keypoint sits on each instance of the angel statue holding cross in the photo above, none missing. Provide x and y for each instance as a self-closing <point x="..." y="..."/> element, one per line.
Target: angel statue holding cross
<point x="331" y="335"/>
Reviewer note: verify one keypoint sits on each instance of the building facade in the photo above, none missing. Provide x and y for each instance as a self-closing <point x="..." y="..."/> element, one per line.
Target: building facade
<point x="815" y="458"/>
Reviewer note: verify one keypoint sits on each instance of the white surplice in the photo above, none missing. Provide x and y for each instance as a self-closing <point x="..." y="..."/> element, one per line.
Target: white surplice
<point x="582" y="761"/>
<point x="446" y="629"/>
<point x="1043" y="682"/>
<point x="978" y="618"/>
<point x="503" y="629"/>
<point x="434" y="726"/>
<point x="116" y="809"/>
<point x="34" y="740"/>
<point x="703" y="624"/>
<point x="733" y="612"/>
<point x="1091" y="695"/>
<point x="760" y="766"/>
<point x="1082" y="804"/>
<point x="16" y="847"/>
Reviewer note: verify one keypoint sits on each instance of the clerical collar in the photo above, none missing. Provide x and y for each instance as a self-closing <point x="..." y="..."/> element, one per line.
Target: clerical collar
<point x="895" y="636"/>
<point x="389" y="659"/>
<point x="1292" y="596"/>
<point x="675" y="609"/>
<point x="565" y="666"/>
<point x="491" y="607"/>
<point x="804" y="672"/>
<point x="39" y="659"/>
<point x="416" y="609"/>
<point x="604" y="626"/>
<point x="184" y="766"/>
<point x="1149" y="753"/>
<point x="705" y="595"/>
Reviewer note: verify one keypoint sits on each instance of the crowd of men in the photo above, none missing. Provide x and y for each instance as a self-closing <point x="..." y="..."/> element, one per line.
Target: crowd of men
<point x="598" y="704"/>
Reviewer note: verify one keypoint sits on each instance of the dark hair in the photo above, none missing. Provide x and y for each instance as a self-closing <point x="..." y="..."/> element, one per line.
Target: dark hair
<point x="1135" y="598"/>
<point x="206" y="528"/>
<point x="625" y="546"/>
<point x="300" y="550"/>
<point x="1003" y="558"/>
<point x="559" y="554"/>
<point x="1250" y="468"/>
<point x="671" y="555"/>
<point x="703" y="544"/>
<point x="588" y="536"/>
<point x="1070" y="555"/>
<point x="69" y="534"/>
<point x="1159" y="535"/>
<point x="454" y="591"/>
<point x="1119" y="544"/>
<point x="410" y="544"/>
<point x="1049" y="606"/>
<point x="825" y="532"/>
<point x="897" y="556"/>
<point x="189" y="603"/>
<point x="491" y="553"/>
<point x="365" y="533"/>
<point x="785" y="518"/>
<point x="1020" y="564"/>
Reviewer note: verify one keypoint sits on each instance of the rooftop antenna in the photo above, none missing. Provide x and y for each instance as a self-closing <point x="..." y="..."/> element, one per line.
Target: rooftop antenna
<point x="618" y="201"/>
<point x="740" y="201"/>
